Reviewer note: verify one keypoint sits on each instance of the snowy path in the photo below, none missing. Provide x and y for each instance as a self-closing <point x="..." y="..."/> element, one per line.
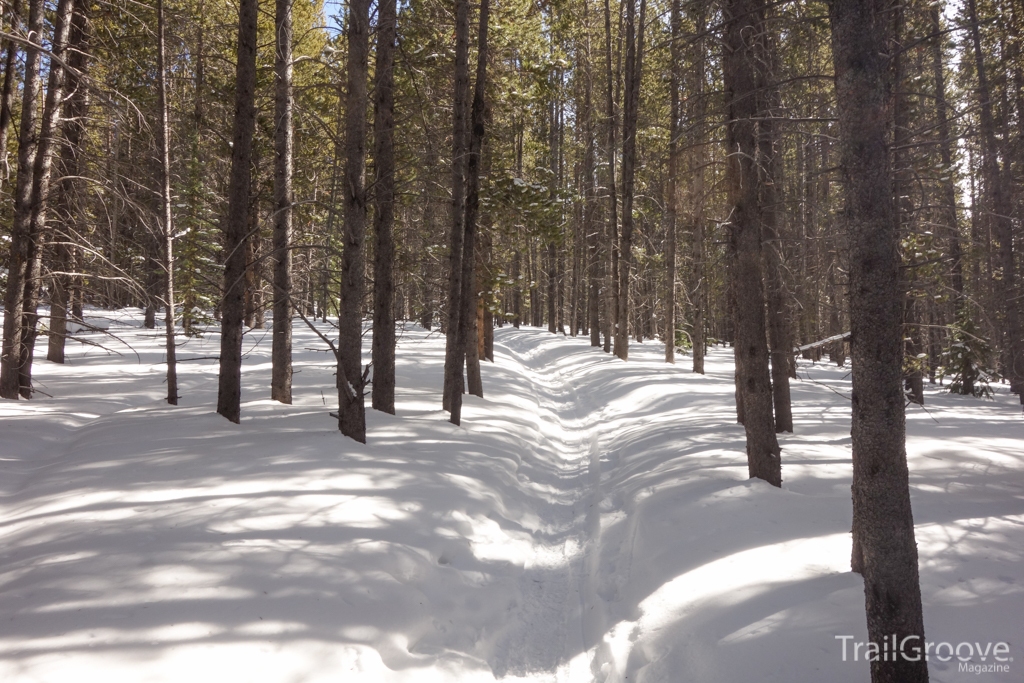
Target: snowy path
<point x="590" y="522"/>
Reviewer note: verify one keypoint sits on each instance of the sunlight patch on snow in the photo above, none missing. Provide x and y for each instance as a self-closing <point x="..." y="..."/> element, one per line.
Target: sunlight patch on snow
<point x="491" y="543"/>
<point x="67" y="557"/>
<point x="309" y="510"/>
<point x="618" y="643"/>
<point x="271" y="628"/>
<point x="174" y="577"/>
<point x="745" y="574"/>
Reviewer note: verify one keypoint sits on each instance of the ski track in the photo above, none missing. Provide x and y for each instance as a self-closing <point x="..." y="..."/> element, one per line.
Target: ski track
<point x="602" y="568"/>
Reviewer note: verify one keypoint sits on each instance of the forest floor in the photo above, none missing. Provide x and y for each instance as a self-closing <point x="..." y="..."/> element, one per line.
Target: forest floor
<point x="592" y="520"/>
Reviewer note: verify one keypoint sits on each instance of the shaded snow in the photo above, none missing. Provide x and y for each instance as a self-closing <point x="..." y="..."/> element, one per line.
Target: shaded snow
<point x="591" y="521"/>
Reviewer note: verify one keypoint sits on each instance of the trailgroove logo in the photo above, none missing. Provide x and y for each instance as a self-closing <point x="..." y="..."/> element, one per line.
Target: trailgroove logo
<point x="911" y="649"/>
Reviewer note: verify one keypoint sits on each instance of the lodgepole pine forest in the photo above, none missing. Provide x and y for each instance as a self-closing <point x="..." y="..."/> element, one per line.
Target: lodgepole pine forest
<point x="624" y="170"/>
<point x="807" y="180"/>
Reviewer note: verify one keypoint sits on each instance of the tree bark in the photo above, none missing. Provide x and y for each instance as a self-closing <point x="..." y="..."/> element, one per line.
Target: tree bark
<point x="612" y="232"/>
<point x="698" y="286"/>
<point x="744" y="27"/>
<point x="882" y="518"/>
<point x="163" y="135"/>
<point x="69" y="189"/>
<point x="672" y="198"/>
<point x="468" y="318"/>
<point x="517" y="289"/>
<point x="634" y="70"/>
<point x="383" y="397"/>
<point x="351" y="409"/>
<point x="592" y="235"/>
<point x="281" y="351"/>
<point x="455" y="352"/>
<point x="536" y="304"/>
<point x="780" y="333"/>
<point x="229" y="391"/>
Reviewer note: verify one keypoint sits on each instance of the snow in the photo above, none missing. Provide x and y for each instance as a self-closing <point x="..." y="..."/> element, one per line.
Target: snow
<point x="592" y="520"/>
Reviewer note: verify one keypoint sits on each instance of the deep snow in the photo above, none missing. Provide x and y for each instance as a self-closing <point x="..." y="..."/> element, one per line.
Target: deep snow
<point x="591" y="520"/>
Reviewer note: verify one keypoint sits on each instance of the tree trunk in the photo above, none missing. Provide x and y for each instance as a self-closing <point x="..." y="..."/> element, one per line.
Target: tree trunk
<point x="536" y="319"/>
<point x="634" y="69"/>
<point x="229" y="391"/>
<point x="612" y="232"/>
<point x="590" y="228"/>
<point x="882" y="519"/>
<point x="70" y="190"/>
<point x="780" y="332"/>
<point x="351" y="409"/>
<point x="384" y="218"/>
<point x="698" y="286"/>
<point x="552" y="298"/>
<point x="468" y="318"/>
<point x="744" y="27"/>
<point x="672" y="198"/>
<point x="455" y="352"/>
<point x="281" y="352"/>
<point x="163" y="135"/>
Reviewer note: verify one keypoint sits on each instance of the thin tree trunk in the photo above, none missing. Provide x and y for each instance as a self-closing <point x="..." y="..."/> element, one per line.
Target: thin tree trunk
<point x="699" y="338"/>
<point x="882" y="519"/>
<point x="536" y="319"/>
<point x="517" y="289"/>
<point x="332" y="205"/>
<point x="552" y="249"/>
<point x="612" y="233"/>
<point x="697" y="197"/>
<point x="163" y="135"/>
<point x="229" y="391"/>
<point x="455" y="350"/>
<point x="552" y="298"/>
<point x="590" y="228"/>
<point x="743" y="28"/>
<point x="281" y="352"/>
<point x="384" y="217"/>
<point x="351" y="409"/>
<point x="672" y="200"/>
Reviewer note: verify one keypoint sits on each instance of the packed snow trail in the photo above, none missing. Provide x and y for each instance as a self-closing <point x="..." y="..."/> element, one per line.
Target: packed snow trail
<point x="591" y="521"/>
